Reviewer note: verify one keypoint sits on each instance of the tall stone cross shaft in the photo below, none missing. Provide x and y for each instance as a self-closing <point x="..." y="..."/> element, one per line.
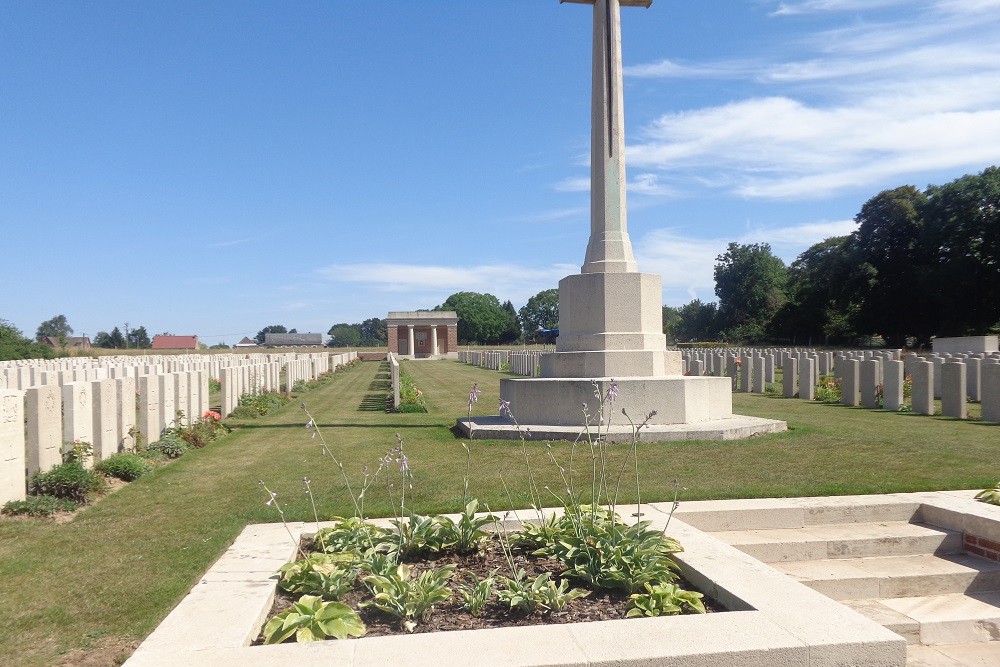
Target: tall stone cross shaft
<point x="609" y="249"/>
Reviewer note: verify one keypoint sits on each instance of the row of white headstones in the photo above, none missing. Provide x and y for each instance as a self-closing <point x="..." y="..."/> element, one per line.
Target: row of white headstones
<point x="867" y="378"/>
<point x="47" y="405"/>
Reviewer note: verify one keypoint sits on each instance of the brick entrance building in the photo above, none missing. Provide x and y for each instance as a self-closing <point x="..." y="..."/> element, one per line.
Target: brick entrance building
<point x="430" y="334"/>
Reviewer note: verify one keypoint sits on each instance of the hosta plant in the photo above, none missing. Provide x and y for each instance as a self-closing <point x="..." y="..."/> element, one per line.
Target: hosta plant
<point x="664" y="600"/>
<point x="419" y="536"/>
<point x="468" y="532"/>
<point x="408" y="598"/>
<point x="991" y="496"/>
<point x="351" y="534"/>
<point x="476" y="594"/>
<point x="540" y="594"/>
<point x="312" y="619"/>
<point x="328" y="575"/>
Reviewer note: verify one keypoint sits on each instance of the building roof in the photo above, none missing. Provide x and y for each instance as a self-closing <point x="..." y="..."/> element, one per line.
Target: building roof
<point x="421" y="317"/>
<point x="293" y="339"/>
<point x="247" y="342"/>
<point x="175" y="342"/>
<point x="71" y="341"/>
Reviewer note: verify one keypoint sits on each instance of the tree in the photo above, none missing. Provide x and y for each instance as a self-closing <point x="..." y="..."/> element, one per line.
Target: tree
<point x="374" y="332"/>
<point x="541" y="312"/>
<point x="822" y="297"/>
<point x="750" y="283"/>
<point x="139" y="339"/>
<point x="512" y="332"/>
<point x="113" y="340"/>
<point x="274" y="328"/>
<point x="13" y="345"/>
<point x="344" y="335"/>
<point x="219" y="346"/>
<point x="671" y="319"/>
<point x="57" y="328"/>
<point x="961" y="232"/>
<point x="481" y="318"/>
<point x="697" y="321"/>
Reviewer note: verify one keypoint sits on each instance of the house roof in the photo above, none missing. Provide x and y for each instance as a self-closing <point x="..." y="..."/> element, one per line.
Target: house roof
<point x="71" y="341"/>
<point x="175" y="342"/>
<point x="247" y="342"/>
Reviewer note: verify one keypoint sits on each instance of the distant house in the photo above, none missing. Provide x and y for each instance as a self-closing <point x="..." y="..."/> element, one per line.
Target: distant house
<point x="293" y="340"/>
<point x="79" y="342"/>
<point x="175" y="342"/>
<point x="246" y="342"/>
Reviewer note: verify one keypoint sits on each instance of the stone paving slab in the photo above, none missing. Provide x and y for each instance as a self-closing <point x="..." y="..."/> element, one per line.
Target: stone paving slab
<point x="738" y="427"/>
<point x="961" y="655"/>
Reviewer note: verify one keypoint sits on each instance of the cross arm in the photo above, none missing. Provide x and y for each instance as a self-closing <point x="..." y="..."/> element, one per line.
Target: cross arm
<point x="623" y="3"/>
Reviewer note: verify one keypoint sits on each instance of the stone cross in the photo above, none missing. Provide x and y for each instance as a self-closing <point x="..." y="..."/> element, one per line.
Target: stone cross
<point x="609" y="249"/>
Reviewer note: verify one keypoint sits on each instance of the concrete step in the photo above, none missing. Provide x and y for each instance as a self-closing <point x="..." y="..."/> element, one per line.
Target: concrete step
<point x="954" y="655"/>
<point x="895" y="576"/>
<point x="937" y="619"/>
<point x="843" y="540"/>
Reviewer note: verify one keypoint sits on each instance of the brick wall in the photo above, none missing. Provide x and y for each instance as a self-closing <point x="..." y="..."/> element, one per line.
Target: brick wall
<point x="452" y="338"/>
<point x="980" y="546"/>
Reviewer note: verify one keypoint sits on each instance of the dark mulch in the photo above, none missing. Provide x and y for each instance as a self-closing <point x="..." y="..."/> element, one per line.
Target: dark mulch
<point x="598" y="606"/>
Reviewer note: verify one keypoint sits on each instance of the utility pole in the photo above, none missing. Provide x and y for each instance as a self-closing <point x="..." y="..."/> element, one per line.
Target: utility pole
<point x="126" y="335"/>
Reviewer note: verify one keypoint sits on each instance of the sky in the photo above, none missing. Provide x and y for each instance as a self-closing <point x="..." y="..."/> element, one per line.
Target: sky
<point x="212" y="168"/>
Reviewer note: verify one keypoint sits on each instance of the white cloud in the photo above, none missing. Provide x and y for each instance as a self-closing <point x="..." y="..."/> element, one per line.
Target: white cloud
<point x="573" y="185"/>
<point x="506" y="281"/>
<point x="669" y="69"/>
<point x="876" y="102"/>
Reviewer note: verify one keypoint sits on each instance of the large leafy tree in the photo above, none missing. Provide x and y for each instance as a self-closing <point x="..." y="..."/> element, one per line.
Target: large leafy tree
<point x="344" y="335"/>
<point x="541" y="312"/>
<point x="961" y="231"/>
<point x="114" y="340"/>
<point x="891" y="267"/>
<point x="696" y="321"/>
<point x="274" y="328"/>
<point x="822" y="302"/>
<point x="57" y="328"/>
<point x="750" y="282"/>
<point x="373" y="332"/>
<point x="512" y="332"/>
<point x="14" y="345"/>
<point x="139" y="339"/>
<point x="481" y="318"/>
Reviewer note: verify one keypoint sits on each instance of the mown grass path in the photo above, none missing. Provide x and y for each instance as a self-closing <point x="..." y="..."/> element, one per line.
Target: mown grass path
<point x="107" y="578"/>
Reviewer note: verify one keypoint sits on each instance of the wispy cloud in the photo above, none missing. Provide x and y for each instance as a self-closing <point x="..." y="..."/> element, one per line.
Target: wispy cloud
<point x="558" y="214"/>
<point x="512" y="281"/>
<point x="875" y="101"/>
<point x="227" y="244"/>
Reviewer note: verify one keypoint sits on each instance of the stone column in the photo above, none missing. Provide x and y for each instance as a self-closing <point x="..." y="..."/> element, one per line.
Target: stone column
<point x="409" y="341"/>
<point x="923" y="387"/>
<point x="953" y="390"/>
<point x="892" y="385"/>
<point x="434" y="340"/>
<point x="13" y="484"/>
<point x="44" y="427"/>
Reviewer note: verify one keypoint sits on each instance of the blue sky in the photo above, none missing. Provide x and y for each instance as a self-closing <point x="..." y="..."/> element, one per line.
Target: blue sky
<point x="211" y="168"/>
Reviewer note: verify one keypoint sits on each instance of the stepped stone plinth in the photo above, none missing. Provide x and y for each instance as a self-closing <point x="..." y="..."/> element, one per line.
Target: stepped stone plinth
<point x="610" y="314"/>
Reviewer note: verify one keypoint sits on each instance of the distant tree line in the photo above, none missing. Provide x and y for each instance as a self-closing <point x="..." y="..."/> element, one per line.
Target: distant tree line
<point x="921" y="263"/>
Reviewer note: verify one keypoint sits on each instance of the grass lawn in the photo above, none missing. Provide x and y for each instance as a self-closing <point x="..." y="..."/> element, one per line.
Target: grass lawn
<point x="88" y="591"/>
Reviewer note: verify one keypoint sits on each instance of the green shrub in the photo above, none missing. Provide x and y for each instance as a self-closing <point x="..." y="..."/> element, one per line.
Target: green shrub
<point x="171" y="445"/>
<point x="126" y="466"/>
<point x="69" y="480"/>
<point x="252" y="406"/>
<point x="38" y="506"/>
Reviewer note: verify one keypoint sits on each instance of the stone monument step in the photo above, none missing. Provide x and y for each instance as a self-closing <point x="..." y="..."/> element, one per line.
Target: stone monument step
<point x="955" y="618"/>
<point x="843" y="540"/>
<point x="896" y="576"/>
